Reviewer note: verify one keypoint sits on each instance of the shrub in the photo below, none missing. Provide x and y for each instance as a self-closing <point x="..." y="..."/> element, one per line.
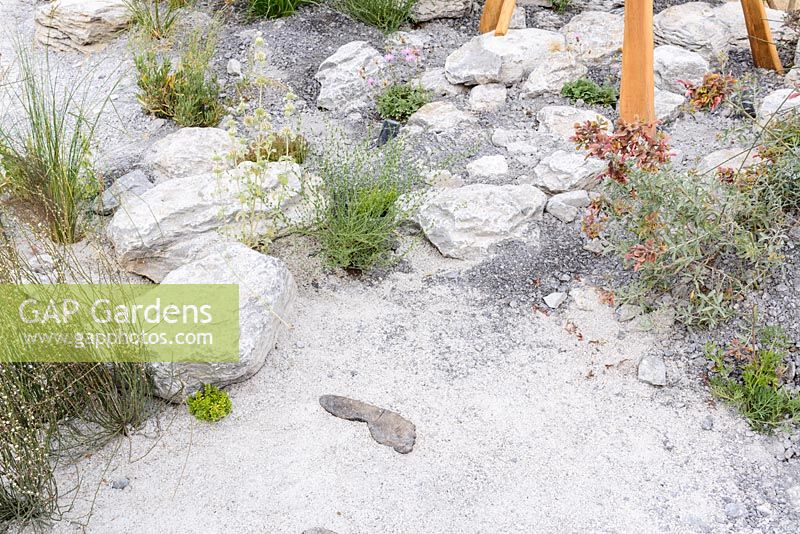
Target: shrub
<point x="46" y="156"/>
<point x="358" y="203"/>
<point x="399" y="101"/>
<point x="386" y="15"/>
<point x="706" y="241"/>
<point x="189" y="94"/>
<point x="591" y="93"/>
<point x="711" y="92"/>
<point x="273" y="9"/>
<point x="749" y="375"/>
<point x="209" y="404"/>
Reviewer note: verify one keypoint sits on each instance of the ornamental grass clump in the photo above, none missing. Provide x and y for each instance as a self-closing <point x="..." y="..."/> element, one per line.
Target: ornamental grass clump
<point x="55" y="412"/>
<point x="46" y="149"/>
<point x="386" y="15"/>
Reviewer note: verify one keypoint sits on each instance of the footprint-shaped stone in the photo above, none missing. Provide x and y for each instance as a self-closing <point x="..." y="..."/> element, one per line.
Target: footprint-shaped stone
<point x="386" y="427"/>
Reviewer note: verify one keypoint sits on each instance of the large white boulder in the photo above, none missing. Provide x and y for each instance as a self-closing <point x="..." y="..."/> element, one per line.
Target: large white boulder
<point x="561" y="120"/>
<point x="152" y="232"/>
<point x="80" y="25"/>
<point x="692" y="26"/>
<point x="344" y="77"/>
<point x="424" y="10"/>
<point x="466" y="222"/>
<point x="189" y="152"/>
<point x="550" y="76"/>
<point x="564" y="171"/>
<point x="732" y="15"/>
<point x="594" y="36"/>
<point x="266" y="293"/>
<point x="672" y="63"/>
<point x="502" y="59"/>
<point x="776" y="105"/>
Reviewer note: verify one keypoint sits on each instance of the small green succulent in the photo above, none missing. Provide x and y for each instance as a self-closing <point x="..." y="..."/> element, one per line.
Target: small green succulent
<point x="209" y="404"/>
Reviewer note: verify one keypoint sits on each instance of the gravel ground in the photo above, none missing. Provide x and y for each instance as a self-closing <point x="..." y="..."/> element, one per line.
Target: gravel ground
<point x="528" y="420"/>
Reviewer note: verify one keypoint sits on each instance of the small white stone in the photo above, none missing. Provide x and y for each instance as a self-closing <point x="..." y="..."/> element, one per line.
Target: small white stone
<point x="653" y="370"/>
<point x="234" y="67"/>
<point x="554" y="300"/>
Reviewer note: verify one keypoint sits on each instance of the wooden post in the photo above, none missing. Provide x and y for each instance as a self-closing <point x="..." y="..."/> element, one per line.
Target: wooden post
<point x="490" y="15"/>
<point x="636" y="99"/>
<point x="504" y="20"/>
<point x="762" y="47"/>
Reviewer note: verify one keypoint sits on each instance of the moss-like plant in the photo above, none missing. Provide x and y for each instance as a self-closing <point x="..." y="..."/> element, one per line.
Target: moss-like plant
<point x="209" y="404"/>
<point x="590" y="92"/>
<point x="399" y="101"/>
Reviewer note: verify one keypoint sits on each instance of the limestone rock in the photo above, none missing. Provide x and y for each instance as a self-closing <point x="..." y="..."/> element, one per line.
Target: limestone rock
<point x="777" y="104"/>
<point x="734" y="158"/>
<point x="344" y="77"/>
<point x="667" y="104"/>
<point x="152" y="233"/>
<point x="80" y="25"/>
<point x="465" y="223"/>
<point x="425" y="10"/>
<point x="489" y="97"/>
<point x="134" y="183"/>
<point x="672" y="63"/>
<point x="266" y="293"/>
<point x="595" y="36"/>
<point x="550" y="76"/>
<point x="188" y="152"/>
<point x="507" y="59"/>
<point x="566" y="206"/>
<point x="566" y="171"/>
<point x="487" y="167"/>
<point x="653" y="370"/>
<point x="435" y="82"/>
<point x="561" y="120"/>
<point x="439" y="116"/>
<point x="732" y="15"/>
<point x="692" y="26"/>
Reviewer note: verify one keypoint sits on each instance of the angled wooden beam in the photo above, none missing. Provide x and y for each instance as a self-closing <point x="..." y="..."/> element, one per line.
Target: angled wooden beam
<point x="762" y="47"/>
<point x="637" y="89"/>
<point x="506" y="13"/>
<point x="490" y="15"/>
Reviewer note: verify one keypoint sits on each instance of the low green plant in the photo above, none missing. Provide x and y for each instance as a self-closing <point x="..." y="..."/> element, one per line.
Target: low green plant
<point x="46" y="154"/>
<point x="399" y="101"/>
<point x="750" y="373"/>
<point x="590" y="92"/>
<point x="358" y="205"/>
<point x="209" y="404"/>
<point x="386" y="15"/>
<point x="273" y="9"/>
<point x="560" y="6"/>
<point x="187" y="94"/>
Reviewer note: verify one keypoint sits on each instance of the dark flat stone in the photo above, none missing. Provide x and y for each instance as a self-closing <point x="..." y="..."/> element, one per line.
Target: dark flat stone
<point x="386" y="427"/>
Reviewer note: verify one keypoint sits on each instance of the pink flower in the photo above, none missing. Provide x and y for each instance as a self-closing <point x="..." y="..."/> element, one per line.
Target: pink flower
<point x="389" y="57"/>
<point x="371" y="82"/>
